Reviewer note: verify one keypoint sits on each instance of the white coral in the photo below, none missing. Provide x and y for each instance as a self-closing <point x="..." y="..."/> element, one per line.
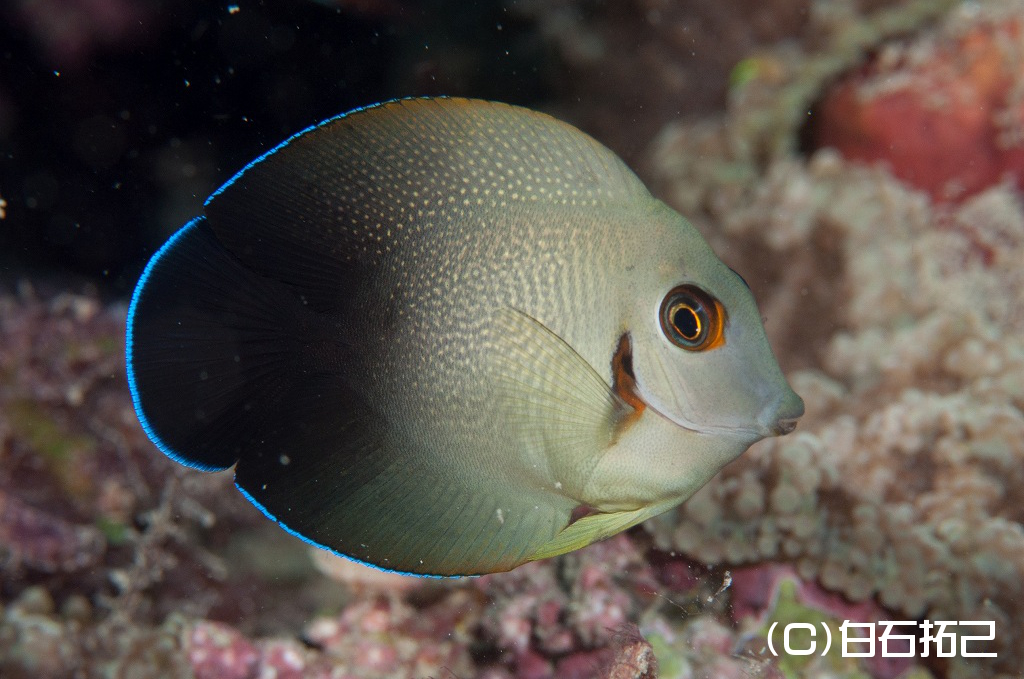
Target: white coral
<point x="906" y="478"/>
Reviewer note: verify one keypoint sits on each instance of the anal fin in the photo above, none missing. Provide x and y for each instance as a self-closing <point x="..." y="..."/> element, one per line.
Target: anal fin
<point x="594" y="527"/>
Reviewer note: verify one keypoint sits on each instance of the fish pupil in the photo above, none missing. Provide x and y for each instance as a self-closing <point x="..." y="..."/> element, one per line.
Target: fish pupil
<point x="686" y="322"/>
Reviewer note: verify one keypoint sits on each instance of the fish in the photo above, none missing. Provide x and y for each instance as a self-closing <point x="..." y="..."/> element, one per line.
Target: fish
<point x="447" y="337"/>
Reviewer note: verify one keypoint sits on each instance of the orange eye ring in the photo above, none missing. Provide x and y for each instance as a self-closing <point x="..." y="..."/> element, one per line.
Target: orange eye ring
<point x="692" y="319"/>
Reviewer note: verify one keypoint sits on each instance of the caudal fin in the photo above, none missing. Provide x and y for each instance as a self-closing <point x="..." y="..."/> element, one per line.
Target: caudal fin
<point x="211" y="348"/>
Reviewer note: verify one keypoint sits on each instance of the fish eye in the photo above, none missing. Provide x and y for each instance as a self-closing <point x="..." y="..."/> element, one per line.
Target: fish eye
<point x="692" y="319"/>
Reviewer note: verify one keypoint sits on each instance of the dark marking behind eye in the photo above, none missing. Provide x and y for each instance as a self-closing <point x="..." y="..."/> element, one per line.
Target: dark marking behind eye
<point x="624" y="386"/>
<point x="740" y="277"/>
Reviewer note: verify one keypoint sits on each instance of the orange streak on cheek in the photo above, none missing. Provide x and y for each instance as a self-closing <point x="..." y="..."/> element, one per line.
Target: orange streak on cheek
<point x="625" y="384"/>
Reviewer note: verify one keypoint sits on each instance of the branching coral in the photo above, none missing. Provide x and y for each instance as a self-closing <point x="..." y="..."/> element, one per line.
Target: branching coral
<point x="906" y="478"/>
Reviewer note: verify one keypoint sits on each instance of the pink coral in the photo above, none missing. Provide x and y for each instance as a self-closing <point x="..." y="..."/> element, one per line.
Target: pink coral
<point x="943" y="110"/>
<point x="633" y="657"/>
<point x="217" y="651"/>
<point x="564" y="623"/>
<point x="283" y="659"/>
<point x="385" y="637"/>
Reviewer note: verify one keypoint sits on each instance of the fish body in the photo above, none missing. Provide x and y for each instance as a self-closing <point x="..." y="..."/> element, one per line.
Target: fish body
<point x="448" y="337"/>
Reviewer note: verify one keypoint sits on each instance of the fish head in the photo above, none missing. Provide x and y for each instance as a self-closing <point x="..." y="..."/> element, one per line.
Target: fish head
<point x="699" y="354"/>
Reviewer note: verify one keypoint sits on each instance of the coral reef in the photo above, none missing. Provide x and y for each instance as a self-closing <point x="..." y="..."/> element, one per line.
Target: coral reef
<point x="372" y="638"/>
<point x="685" y="51"/>
<point x="898" y="312"/>
<point x="565" y="620"/>
<point x="927" y="105"/>
<point x="903" y="484"/>
<point x="703" y="167"/>
<point x="694" y="55"/>
<point x="117" y="562"/>
<point x="48" y="543"/>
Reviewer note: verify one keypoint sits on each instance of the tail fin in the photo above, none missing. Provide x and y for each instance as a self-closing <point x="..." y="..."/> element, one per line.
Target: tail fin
<point x="228" y="365"/>
<point x="211" y="349"/>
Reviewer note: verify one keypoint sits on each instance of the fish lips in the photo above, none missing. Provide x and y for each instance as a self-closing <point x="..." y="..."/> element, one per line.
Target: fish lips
<point x="777" y="418"/>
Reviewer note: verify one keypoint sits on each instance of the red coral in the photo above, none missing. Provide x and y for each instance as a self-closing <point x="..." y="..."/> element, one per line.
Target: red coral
<point x="943" y="111"/>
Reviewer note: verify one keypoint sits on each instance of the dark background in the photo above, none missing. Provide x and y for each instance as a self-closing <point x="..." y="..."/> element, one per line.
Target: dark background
<point x="118" y="117"/>
<point x="110" y="140"/>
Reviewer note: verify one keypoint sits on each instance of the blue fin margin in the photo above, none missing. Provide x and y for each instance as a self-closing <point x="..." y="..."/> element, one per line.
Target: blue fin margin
<point x="128" y="350"/>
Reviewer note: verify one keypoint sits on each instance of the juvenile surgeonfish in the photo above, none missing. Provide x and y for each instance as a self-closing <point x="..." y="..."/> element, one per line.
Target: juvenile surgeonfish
<point x="448" y="337"/>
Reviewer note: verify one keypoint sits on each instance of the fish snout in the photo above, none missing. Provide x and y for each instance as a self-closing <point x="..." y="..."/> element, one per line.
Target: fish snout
<point x="780" y="417"/>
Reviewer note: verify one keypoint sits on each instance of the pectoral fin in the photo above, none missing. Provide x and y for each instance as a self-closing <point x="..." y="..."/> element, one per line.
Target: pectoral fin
<point x="554" y="401"/>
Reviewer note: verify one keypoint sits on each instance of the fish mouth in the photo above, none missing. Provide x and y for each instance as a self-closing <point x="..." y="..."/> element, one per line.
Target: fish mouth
<point x="781" y="416"/>
<point x="783" y="427"/>
<point x="750" y="434"/>
<point x="777" y="419"/>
